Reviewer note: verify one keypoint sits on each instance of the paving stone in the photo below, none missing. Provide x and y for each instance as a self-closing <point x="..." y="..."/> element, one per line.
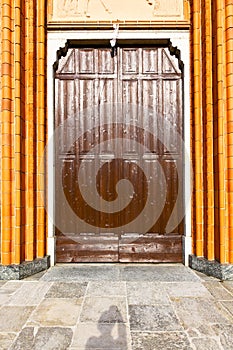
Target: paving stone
<point x="4" y="298"/>
<point x="13" y="318"/>
<point x="228" y="285"/>
<point x="24" y="340"/>
<point x="7" y="290"/>
<point x="153" y="318"/>
<point x="11" y="287"/>
<point x="30" y="293"/>
<point x="36" y="276"/>
<point x="45" y="338"/>
<point x="2" y="283"/>
<point x="104" y="310"/>
<point x="206" y="343"/>
<point x="204" y="277"/>
<point x="150" y="273"/>
<point x="6" y="340"/>
<point x="101" y="336"/>
<point x="123" y="272"/>
<point x="225" y="333"/>
<point x="160" y="341"/>
<point x="106" y="288"/>
<point x="56" y="312"/>
<point x="66" y="290"/>
<point x="187" y="289"/>
<point x="146" y="293"/>
<point x="192" y="333"/>
<point x="195" y="312"/>
<point x="54" y="338"/>
<point x="82" y="273"/>
<point x="177" y="273"/>
<point x="201" y="331"/>
<point x="138" y="273"/>
<point x="218" y="291"/>
<point x="228" y="305"/>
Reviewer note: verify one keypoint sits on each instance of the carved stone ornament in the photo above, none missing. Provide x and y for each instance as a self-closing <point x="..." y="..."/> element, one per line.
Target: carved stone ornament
<point x="79" y="11"/>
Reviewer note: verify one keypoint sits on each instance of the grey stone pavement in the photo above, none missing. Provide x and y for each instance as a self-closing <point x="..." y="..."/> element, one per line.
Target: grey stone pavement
<point x="117" y="307"/>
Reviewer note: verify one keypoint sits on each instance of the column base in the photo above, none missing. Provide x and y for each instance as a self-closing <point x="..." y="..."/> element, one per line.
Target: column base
<point x="211" y="268"/>
<point x="26" y="269"/>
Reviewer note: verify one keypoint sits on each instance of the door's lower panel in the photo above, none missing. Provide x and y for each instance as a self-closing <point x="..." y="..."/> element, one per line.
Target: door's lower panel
<point x="129" y="248"/>
<point x="86" y="248"/>
<point x="151" y="248"/>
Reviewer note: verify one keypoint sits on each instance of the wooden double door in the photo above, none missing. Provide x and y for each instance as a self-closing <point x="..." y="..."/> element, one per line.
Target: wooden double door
<point x="118" y="182"/>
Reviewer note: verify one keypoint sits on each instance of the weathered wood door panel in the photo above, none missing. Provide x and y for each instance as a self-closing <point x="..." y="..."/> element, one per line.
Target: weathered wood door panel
<point x="105" y="108"/>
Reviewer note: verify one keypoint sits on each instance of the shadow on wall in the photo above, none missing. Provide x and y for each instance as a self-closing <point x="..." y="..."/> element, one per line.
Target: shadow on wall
<point x="112" y="331"/>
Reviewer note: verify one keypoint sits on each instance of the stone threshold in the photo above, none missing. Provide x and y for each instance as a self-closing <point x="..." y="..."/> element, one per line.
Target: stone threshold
<point x="211" y="268"/>
<point x="25" y="269"/>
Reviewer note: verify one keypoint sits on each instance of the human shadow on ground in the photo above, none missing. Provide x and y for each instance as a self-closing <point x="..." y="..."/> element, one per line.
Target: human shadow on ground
<point x="112" y="331"/>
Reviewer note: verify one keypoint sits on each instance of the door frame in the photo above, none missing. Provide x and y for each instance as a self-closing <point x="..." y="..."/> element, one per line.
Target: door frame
<point x="57" y="40"/>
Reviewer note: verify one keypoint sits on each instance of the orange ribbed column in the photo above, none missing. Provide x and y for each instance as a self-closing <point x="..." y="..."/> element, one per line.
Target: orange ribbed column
<point x="0" y="125"/>
<point x="220" y="114"/>
<point x="23" y="229"/>
<point x="41" y="127"/>
<point x="198" y="210"/>
<point x="17" y="178"/>
<point x="212" y="65"/>
<point x="229" y="95"/>
<point x="7" y="204"/>
<point x="208" y="131"/>
<point x="30" y="129"/>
